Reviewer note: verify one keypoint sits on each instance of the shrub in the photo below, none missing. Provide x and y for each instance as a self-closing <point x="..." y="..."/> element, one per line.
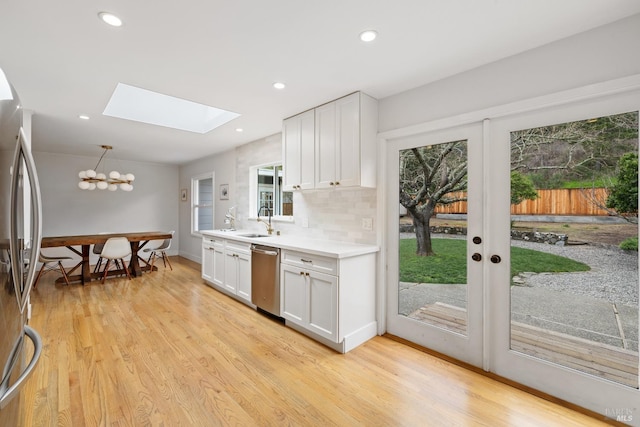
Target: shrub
<point x="630" y="244"/>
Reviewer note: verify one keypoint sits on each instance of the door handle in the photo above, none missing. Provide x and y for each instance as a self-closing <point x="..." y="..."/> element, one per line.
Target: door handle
<point x="22" y="281"/>
<point x="14" y="390"/>
<point x="496" y="259"/>
<point x="476" y="257"/>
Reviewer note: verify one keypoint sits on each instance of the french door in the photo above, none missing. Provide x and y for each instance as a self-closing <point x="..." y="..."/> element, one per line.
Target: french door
<point x="469" y="298"/>
<point x="443" y="311"/>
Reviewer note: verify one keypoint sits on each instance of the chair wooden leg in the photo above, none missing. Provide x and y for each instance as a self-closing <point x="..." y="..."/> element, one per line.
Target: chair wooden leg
<point x="106" y="270"/>
<point x="126" y="269"/>
<point x="35" y="282"/>
<point x="64" y="273"/>
<point x="164" y="256"/>
<point x="98" y="264"/>
<point x="153" y="260"/>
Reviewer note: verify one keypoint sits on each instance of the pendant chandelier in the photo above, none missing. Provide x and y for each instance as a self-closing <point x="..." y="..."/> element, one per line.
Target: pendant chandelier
<point x="90" y="179"/>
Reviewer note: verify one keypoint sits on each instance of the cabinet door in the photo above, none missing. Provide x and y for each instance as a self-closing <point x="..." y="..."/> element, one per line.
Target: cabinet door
<point x="207" y="263"/>
<point x="307" y="150"/>
<point x="293" y="294"/>
<point x="347" y="141"/>
<point x="325" y="152"/>
<point x="244" y="276"/>
<point x="218" y="264"/>
<point x="291" y="153"/>
<point x="298" y="142"/>
<point x="323" y="305"/>
<point x="231" y="272"/>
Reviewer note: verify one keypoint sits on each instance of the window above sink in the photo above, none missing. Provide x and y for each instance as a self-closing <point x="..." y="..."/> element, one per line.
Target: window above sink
<point x="266" y="190"/>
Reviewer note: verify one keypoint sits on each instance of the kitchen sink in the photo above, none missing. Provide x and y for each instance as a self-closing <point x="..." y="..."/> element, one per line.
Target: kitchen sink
<point x="252" y="235"/>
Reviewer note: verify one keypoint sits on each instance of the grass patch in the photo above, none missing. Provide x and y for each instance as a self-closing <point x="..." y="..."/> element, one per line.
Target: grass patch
<point x="604" y="182"/>
<point x="449" y="265"/>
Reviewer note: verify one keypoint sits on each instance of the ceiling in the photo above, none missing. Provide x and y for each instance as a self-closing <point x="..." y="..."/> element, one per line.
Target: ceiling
<point x="64" y="62"/>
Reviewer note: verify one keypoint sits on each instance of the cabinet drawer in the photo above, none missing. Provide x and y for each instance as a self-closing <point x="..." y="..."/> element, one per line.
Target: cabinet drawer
<point x="212" y="241"/>
<point x="238" y="247"/>
<point x="310" y="262"/>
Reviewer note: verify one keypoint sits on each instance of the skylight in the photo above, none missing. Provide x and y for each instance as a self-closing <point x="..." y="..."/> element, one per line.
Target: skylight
<point x="141" y="105"/>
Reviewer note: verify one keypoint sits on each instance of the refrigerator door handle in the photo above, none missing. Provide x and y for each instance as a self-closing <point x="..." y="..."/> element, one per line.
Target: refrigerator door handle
<point x="22" y="281"/>
<point x="37" y="350"/>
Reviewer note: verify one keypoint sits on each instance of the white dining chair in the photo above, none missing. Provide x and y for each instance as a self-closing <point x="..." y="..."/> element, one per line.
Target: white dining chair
<point x="160" y="252"/>
<point x="115" y="249"/>
<point x="46" y="260"/>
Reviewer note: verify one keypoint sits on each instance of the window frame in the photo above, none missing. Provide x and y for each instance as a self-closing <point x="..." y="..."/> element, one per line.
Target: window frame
<point x="196" y="204"/>
<point x="254" y="193"/>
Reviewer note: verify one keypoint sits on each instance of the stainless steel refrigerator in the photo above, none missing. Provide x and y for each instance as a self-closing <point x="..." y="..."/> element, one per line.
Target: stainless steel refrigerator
<point x="20" y="233"/>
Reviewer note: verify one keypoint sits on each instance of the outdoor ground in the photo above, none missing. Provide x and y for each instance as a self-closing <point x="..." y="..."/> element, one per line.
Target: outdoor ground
<point x="609" y="234"/>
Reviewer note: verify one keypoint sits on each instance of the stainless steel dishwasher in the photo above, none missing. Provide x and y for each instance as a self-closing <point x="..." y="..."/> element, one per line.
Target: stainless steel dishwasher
<point x="265" y="278"/>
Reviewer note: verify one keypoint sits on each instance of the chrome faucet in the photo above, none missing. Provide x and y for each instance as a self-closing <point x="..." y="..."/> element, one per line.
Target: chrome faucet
<point x="268" y="224"/>
<point x="230" y="219"/>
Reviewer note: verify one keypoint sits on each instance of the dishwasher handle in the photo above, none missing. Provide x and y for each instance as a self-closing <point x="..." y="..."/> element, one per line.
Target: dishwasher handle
<point x="264" y="251"/>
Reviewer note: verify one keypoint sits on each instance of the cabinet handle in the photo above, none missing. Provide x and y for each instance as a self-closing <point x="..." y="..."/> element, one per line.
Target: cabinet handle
<point x="302" y="273"/>
<point x="306" y="274"/>
<point x="337" y="182"/>
<point x="306" y="260"/>
<point x="331" y="183"/>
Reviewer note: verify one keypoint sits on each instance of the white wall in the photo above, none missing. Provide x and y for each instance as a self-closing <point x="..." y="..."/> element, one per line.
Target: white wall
<point x="68" y="210"/>
<point x="606" y="53"/>
<point x="224" y="168"/>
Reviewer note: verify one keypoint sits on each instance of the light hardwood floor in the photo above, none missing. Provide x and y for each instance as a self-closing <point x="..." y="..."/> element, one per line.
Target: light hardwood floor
<point x="164" y="349"/>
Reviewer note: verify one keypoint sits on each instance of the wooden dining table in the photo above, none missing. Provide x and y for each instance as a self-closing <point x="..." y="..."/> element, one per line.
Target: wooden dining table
<point x="138" y="240"/>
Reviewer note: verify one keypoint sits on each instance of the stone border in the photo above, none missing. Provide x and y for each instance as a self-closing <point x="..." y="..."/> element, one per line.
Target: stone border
<point x="528" y="236"/>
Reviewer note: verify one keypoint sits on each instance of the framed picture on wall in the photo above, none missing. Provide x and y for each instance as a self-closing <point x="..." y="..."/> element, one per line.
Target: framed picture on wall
<point x="184" y="195"/>
<point x="224" y="191"/>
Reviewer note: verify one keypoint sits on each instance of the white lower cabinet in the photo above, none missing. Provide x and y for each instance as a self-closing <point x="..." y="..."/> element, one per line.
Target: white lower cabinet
<point x="310" y="299"/>
<point x="213" y="261"/>
<point x="237" y="267"/>
<point x="226" y="265"/>
<point x="330" y="299"/>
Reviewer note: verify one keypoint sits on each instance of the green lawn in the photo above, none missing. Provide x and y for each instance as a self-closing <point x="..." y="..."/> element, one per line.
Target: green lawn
<point x="449" y="265"/>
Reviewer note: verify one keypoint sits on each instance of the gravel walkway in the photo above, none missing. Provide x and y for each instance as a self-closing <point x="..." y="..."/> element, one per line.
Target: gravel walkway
<point x="613" y="276"/>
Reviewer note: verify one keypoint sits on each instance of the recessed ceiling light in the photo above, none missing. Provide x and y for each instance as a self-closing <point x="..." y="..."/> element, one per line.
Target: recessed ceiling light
<point x="368" y="35"/>
<point x="141" y="105"/>
<point x="279" y="85"/>
<point x="83" y="117"/>
<point x="110" y="19"/>
<point x="239" y="130"/>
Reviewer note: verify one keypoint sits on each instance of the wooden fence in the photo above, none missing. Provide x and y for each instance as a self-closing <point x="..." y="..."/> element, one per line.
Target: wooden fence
<point x="549" y="202"/>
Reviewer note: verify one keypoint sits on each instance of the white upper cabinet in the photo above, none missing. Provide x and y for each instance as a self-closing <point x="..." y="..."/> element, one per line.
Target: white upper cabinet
<point x="298" y="151"/>
<point x="343" y="141"/>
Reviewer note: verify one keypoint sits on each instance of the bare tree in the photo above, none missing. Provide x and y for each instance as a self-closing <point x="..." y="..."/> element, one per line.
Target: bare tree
<point x="430" y="176"/>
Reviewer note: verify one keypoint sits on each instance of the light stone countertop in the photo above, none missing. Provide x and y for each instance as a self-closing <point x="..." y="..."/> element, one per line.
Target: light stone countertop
<point x="328" y="248"/>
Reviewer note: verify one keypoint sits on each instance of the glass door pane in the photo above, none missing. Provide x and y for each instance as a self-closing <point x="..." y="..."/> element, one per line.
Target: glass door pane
<point x="574" y="239"/>
<point x="432" y="240"/>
